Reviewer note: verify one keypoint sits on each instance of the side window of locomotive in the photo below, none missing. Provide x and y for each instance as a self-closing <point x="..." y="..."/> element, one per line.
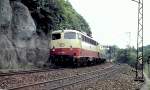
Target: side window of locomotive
<point x="82" y="38"/>
<point x="79" y="36"/>
<point x="70" y="35"/>
<point x="56" y="36"/>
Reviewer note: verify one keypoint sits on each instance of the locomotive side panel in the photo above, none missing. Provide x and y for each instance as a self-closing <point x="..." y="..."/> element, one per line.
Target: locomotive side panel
<point x="89" y="50"/>
<point x="89" y="47"/>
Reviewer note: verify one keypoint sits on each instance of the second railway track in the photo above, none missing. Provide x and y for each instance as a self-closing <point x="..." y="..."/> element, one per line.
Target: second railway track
<point x="27" y="72"/>
<point x="71" y="80"/>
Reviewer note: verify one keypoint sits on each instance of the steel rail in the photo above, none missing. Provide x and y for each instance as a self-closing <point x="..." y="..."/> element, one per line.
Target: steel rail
<point x="92" y="77"/>
<point x="71" y="79"/>
<point x="27" y="72"/>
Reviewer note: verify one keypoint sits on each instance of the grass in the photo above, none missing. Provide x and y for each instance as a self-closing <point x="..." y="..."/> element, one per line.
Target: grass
<point x="146" y="70"/>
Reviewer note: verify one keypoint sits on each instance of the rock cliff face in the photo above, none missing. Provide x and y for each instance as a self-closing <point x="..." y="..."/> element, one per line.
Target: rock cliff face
<point x="20" y="46"/>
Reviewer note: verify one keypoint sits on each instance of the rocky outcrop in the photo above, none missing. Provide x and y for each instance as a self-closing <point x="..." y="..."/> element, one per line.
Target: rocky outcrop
<point x="38" y="52"/>
<point x="8" y="57"/>
<point x="5" y="16"/>
<point x="20" y="46"/>
<point x="22" y="23"/>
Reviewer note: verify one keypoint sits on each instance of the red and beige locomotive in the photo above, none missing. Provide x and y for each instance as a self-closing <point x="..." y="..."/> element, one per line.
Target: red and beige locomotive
<point x="74" y="48"/>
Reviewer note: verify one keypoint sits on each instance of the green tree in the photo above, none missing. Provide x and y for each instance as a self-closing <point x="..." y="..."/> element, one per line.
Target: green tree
<point x="126" y="56"/>
<point x="56" y="15"/>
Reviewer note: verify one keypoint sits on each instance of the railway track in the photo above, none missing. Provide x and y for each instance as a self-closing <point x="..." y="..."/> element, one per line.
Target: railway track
<point x="71" y="80"/>
<point x="27" y="72"/>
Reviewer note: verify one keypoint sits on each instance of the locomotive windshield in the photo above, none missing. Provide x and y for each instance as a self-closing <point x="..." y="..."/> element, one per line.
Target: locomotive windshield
<point x="56" y="36"/>
<point x="70" y="35"/>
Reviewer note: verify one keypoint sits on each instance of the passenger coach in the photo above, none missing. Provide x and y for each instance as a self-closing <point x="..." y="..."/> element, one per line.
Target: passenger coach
<point x="71" y="47"/>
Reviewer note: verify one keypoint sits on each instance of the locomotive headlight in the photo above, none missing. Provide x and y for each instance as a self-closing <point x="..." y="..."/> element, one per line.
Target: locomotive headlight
<point x="53" y="49"/>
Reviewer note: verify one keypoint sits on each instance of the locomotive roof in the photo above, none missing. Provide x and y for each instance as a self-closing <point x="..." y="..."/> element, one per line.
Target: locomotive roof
<point x="58" y="31"/>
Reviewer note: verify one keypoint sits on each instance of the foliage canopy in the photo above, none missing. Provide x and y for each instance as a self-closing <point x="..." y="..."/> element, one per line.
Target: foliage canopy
<point x="56" y="15"/>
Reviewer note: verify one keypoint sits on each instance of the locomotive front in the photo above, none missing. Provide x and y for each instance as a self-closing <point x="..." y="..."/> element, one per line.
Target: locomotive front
<point x="64" y="47"/>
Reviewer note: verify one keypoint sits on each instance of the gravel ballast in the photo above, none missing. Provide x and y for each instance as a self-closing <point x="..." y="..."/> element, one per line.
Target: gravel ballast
<point x="121" y="79"/>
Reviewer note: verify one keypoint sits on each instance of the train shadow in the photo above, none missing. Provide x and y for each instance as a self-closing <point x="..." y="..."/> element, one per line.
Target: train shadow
<point x="53" y="66"/>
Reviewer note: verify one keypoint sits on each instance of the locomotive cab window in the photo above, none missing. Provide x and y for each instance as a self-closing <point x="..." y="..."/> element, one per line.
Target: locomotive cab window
<point x="56" y="36"/>
<point x="70" y="35"/>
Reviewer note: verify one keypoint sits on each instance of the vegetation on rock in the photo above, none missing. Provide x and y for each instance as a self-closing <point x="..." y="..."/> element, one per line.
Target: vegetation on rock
<point x="56" y="15"/>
